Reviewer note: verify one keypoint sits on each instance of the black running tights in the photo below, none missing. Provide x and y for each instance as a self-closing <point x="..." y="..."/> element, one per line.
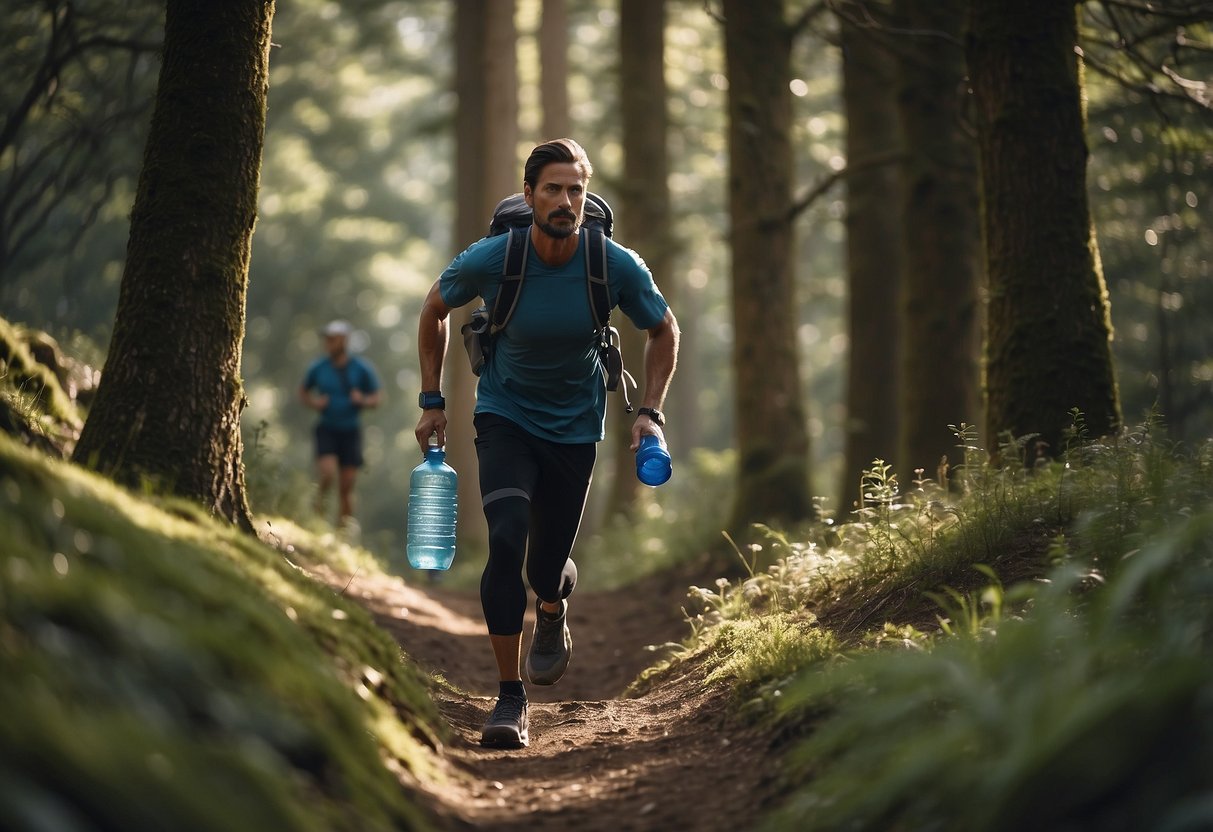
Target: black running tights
<point x="533" y="492"/>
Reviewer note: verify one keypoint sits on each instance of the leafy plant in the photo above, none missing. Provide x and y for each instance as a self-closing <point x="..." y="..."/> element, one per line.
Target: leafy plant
<point x="1021" y="644"/>
<point x="1091" y="712"/>
<point x="1080" y="700"/>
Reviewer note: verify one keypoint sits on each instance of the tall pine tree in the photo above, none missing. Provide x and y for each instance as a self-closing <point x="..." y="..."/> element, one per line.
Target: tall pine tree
<point x="772" y="436"/>
<point x="1048" y="346"/>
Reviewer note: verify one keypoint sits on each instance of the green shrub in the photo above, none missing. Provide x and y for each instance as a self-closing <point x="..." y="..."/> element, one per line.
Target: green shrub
<point x="1080" y="701"/>
<point x="1095" y="711"/>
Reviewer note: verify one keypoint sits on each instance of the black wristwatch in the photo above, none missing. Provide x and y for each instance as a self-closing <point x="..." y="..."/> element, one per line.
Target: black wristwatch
<point x="431" y="400"/>
<point x="654" y="414"/>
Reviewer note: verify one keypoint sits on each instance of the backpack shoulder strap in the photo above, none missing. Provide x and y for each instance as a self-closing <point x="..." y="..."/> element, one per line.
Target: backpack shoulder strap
<point x="598" y="278"/>
<point x="513" y="271"/>
<point x="343" y="374"/>
<point x="362" y="372"/>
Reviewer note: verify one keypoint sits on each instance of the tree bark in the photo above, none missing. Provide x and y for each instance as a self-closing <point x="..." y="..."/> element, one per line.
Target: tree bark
<point x="874" y="243"/>
<point x="168" y="406"/>
<point x="554" y="68"/>
<point x="1048" y="347"/>
<point x="941" y="317"/>
<point x="643" y="212"/>
<point x="772" y="439"/>
<point x="486" y="124"/>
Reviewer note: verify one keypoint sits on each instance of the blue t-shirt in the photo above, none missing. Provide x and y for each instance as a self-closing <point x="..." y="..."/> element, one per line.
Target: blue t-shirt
<point x="322" y="376"/>
<point x="544" y="373"/>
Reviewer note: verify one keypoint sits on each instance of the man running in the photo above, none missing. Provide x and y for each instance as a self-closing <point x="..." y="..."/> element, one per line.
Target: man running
<point x="339" y="386"/>
<point x="540" y="409"/>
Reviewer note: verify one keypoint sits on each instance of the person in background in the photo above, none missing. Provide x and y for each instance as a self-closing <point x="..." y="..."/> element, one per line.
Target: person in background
<point x="339" y="386"/>
<point x="540" y="409"/>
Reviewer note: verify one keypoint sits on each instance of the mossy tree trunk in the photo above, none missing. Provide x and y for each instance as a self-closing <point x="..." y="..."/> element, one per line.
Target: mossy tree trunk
<point x="1049" y="329"/>
<point x="772" y="437"/>
<point x="168" y="406"/>
<point x="873" y="249"/>
<point x="941" y="315"/>
<point x="643" y="211"/>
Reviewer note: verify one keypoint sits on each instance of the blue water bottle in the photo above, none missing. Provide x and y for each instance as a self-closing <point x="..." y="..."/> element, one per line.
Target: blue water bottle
<point x="653" y="465"/>
<point x="433" y="510"/>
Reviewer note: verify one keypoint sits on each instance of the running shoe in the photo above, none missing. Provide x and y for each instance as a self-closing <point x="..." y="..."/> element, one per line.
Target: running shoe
<point x="507" y="725"/>
<point x="551" y="646"/>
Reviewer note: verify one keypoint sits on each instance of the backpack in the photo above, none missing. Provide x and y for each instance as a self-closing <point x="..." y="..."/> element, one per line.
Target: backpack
<point x="513" y="216"/>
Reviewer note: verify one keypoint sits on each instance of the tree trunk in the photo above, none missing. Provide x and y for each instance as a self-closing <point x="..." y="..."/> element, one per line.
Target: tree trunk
<point x="168" y="407"/>
<point x="499" y="124"/>
<point x="873" y="253"/>
<point x="941" y="320"/>
<point x="486" y="80"/>
<point x="772" y="440"/>
<point x="1048" y="347"/>
<point x="643" y="212"/>
<point x="554" y="68"/>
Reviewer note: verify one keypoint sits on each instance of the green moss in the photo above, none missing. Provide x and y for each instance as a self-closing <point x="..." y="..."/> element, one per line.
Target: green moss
<point x="165" y="671"/>
<point x="29" y="386"/>
<point x="751" y="651"/>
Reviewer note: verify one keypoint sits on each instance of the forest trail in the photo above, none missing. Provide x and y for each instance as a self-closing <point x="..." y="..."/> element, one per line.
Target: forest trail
<point x="672" y="759"/>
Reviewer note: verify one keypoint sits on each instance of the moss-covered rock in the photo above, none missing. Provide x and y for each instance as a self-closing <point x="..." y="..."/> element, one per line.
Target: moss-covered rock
<point x="34" y="407"/>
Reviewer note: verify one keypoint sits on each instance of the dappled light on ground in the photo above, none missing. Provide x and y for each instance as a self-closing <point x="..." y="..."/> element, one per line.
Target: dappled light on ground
<point x="670" y="759"/>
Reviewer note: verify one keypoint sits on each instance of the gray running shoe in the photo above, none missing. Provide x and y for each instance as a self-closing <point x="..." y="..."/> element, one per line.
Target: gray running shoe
<point x="507" y="724"/>
<point x="551" y="646"/>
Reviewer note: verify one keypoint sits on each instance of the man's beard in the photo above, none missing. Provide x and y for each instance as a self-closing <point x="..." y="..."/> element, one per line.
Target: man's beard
<point x="559" y="232"/>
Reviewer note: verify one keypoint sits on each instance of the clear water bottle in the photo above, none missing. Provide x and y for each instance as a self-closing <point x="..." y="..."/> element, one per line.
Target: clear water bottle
<point x="433" y="510"/>
<point x="653" y="465"/>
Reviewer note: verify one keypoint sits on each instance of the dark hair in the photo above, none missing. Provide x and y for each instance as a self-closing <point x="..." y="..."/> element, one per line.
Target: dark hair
<point x="557" y="150"/>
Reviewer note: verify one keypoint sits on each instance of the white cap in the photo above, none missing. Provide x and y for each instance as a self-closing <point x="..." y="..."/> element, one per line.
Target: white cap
<point x="337" y="328"/>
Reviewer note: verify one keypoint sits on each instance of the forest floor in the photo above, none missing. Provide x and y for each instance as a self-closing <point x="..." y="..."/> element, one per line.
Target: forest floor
<point x="675" y="757"/>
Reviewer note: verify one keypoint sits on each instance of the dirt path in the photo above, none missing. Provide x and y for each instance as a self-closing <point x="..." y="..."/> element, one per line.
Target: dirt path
<point x="669" y="760"/>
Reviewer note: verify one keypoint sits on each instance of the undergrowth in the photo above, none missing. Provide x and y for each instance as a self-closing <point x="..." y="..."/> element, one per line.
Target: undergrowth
<point x="1023" y="646"/>
<point x="276" y="486"/>
<point x="32" y="402"/>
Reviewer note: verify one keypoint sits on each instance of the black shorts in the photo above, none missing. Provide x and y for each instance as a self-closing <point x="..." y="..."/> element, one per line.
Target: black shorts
<point x="346" y="445"/>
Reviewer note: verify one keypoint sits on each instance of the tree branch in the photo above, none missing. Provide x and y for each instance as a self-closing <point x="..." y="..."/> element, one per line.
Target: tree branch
<point x="52" y="67"/>
<point x="49" y="68"/>
<point x="1147" y="88"/>
<point x="1192" y="13"/>
<point x="820" y="188"/>
<point x="807" y="17"/>
<point x="867" y="20"/>
<point x="1192" y="91"/>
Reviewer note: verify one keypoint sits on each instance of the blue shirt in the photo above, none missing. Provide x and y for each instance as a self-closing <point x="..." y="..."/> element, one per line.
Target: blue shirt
<point x="322" y="376"/>
<point x="544" y="373"/>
